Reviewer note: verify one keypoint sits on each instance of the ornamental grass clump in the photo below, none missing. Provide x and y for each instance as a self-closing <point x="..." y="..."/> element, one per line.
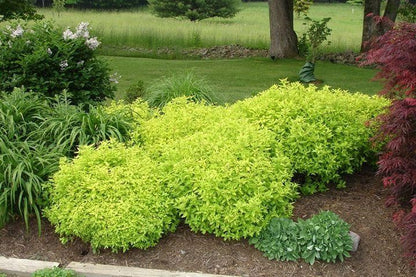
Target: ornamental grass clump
<point x="112" y="197"/>
<point x="228" y="177"/>
<point x="49" y="61"/>
<point x="170" y="87"/>
<point x="35" y="134"/>
<point x="322" y="131"/>
<point x="26" y="161"/>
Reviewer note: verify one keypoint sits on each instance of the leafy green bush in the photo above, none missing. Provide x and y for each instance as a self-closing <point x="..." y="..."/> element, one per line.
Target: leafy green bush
<point x="112" y="197"/>
<point x="48" y="61"/>
<point x="55" y="272"/>
<point x="324" y="236"/>
<point x="227" y="176"/>
<point x="322" y="131"/>
<point x="168" y="88"/>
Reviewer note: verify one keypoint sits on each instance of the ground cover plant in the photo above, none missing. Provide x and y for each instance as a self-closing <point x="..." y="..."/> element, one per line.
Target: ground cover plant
<point x="55" y="272"/>
<point x="124" y="30"/>
<point x="324" y="236"/>
<point x="49" y="60"/>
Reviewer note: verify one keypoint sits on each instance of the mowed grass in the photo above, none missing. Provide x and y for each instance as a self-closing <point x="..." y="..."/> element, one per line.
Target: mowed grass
<point x="123" y="30"/>
<point x="236" y="79"/>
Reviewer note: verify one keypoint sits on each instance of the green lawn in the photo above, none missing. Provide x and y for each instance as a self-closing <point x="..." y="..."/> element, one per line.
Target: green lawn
<point x="120" y="31"/>
<point x="239" y="78"/>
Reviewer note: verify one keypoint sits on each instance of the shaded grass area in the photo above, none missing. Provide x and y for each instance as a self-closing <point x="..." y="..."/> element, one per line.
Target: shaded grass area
<point x="120" y="31"/>
<point x="236" y="79"/>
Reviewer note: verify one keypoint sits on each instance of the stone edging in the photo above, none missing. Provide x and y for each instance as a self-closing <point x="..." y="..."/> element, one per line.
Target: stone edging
<point x="24" y="267"/>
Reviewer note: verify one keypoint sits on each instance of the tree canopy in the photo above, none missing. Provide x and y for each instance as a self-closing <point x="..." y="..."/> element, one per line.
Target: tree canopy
<point x="195" y="9"/>
<point x="12" y="9"/>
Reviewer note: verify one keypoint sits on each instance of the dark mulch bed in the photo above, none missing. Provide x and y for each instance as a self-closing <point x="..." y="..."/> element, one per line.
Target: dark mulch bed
<point x="361" y="205"/>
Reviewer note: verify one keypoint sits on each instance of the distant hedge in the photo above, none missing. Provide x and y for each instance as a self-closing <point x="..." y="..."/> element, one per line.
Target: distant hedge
<point x="97" y="4"/>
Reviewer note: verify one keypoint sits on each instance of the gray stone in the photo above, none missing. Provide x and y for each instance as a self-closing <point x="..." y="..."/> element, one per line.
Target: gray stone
<point x="355" y="240"/>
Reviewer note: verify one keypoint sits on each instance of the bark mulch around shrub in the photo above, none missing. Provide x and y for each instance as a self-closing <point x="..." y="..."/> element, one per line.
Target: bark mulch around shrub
<point x="361" y="204"/>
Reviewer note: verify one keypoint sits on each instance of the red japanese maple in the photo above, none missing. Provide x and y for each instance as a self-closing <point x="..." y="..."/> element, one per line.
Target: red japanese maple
<point x="394" y="53"/>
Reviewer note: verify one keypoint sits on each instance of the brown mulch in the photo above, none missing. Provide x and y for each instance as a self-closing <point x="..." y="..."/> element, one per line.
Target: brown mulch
<point x="361" y="204"/>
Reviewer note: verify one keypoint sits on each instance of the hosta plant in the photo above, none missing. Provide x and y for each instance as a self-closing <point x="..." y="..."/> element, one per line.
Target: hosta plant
<point x="324" y="237"/>
<point x="279" y="240"/>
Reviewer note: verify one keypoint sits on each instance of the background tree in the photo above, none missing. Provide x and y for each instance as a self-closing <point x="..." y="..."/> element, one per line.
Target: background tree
<point x="283" y="39"/>
<point x="376" y="25"/>
<point x="12" y="9"/>
<point x="194" y="9"/>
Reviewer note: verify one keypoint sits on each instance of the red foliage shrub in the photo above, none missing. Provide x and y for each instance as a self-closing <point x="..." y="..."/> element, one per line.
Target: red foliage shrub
<point x="394" y="53"/>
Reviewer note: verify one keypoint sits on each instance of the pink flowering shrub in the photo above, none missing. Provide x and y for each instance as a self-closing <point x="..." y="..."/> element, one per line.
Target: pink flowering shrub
<point x="50" y="61"/>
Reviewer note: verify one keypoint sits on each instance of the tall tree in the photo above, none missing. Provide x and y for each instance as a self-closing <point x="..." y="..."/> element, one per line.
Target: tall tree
<point x="283" y="39"/>
<point x="376" y="25"/>
<point x="12" y="9"/>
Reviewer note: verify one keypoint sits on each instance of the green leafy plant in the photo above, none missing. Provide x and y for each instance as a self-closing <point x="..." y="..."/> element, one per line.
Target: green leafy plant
<point x="59" y="6"/>
<point x="25" y="160"/>
<point x="316" y="34"/>
<point x="279" y="240"/>
<point x="112" y="197"/>
<point x="324" y="236"/>
<point x="322" y="131"/>
<point x="18" y="9"/>
<point x="48" y="61"/>
<point x="35" y="134"/>
<point x="135" y="91"/>
<point x="187" y="84"/>
<point x="227" y="176"/>
<point x="70" y="126"/>
<point x="302" y="7"/>
<point x="55" y="272"/>
<point x="407" y="11"/>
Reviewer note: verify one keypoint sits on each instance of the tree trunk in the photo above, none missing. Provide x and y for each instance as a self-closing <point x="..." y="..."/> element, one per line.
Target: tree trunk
<point x="374" y="25"/>
<point x="283" y="39"/>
